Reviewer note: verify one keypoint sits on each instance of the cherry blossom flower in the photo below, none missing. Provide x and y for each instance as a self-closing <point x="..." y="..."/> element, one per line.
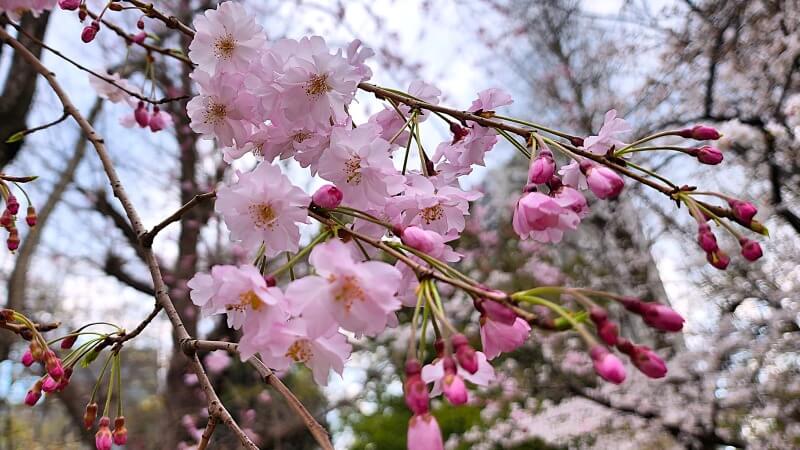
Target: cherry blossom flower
<point x="498" y="337"/>
<point x="223" y="108"/>
<point x="607" y="365"/>
<point x="490" y="99"/>
<point x="606" y="138"/>
<point x="316" y="83"/>
<point x="357" y="56"/>
<point x="544" y="218"/>
<point x="285" y="344"/>
<point x="435" y="373"/>
<point x="240" y="292"/>
<point x="572" y="176"/>
<point x="431" y="206"/>
<point x="227" y="36"/>
<point x="391" y="121"/>
<point x="469" y="150"/>
<point x="358" y="296"/>
<point x="264" y="206"/>
<point x="358" y="163"/>
<point x="14" y="9"/>
<point x="112" y="92"/>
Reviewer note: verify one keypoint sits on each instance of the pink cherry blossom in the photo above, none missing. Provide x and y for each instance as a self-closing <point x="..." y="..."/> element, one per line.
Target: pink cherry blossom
<point x="424" y="433"/>
<point x="607" y="365"/>
<point x="358" y="296"/>
<point x="264" y="206"/>
<point x="216" y="362"/>
<point x="434" y="373"/>
<point x="223" y="108"/>
<point x="112" y="92"/>
<point x="358" y="163"/>
<point x="440" y="208"/>
<point x="327" y="196"/>
<point x="357" y="55"/>
<point x="542" y="218"/>
<point x="240" y="292"/>
<point x="14" y="9"/>
<point x="572" y="176"/>
<point x="498" y="337"/>
<point x="285" y="344"/>
<point x="391" y="121"/>
<point x="228" y="37"/>
<point x="491" y="99"/>
<point x="607" y="136"/>
<point x="470" y="150"/>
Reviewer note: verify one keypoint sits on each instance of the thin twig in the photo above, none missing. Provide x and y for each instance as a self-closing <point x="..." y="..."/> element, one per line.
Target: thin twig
<point x="147" y="238"/>
<point x="206" y="438"/>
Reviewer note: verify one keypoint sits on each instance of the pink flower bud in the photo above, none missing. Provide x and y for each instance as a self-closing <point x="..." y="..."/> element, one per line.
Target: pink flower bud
<point x="415" y="390"/>
<point x="102" y="439"/>
<point x="68" y="342"/>
<point x="90" y="31"/>
<point x="49" y="384"/>
<point x="424" y="433"/>
<point x="706" y="238"/>
<point x="27" y="358"/>
<point x="328" y="197"/>
<point x="30" y="216"/>
<point x="743" y="211"/>
<point x="718" y="259"/>
<point x="497" y="311"/>
<point x="542" y="168"/>
<point x="34" y="394"/>
<point x="13" y="240"/>
<point x="598" y="315"/>
<point x="708" y="155"/>
<point x="12" y="205"/>
<point x="140" y="23"/>
<point x="419" y="239"/>
<point x="69" y="5"/>
<point x="607" y="365"/>
<point x="602" y="181"/>
<point x="608" y="332"/>
<point x="700" y="133"/>
<point x="662" y="317"/>
<point x="7" y="219"/>
<point x="454" y="389"/>
<point x="157" y="121"/>
<point x="53" y="365"/>
<point x="90" y="415"/>
<point x="750" y="249"/>
<point x="465" y="354"/>
<point x="648" y="362"/>
<point x="64" y="381"/>
<point x="141" y="115"/>
<point x="270" y="280"/>
<point x="139" y="37"/>
<point x="120" y="435"/>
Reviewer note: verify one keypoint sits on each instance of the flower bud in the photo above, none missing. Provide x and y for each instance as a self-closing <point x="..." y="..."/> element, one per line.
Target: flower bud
<point x="607" y="365"/>
<point x="708" y="155"/>
<point x="598" y="315"/>
<point x="328" y="197"/>
<point x="542" y="167"/>
<point x="700" y="133"/>
<point x="90" y="415"/>
<point x="454" y="389"/>
<point x="496" y="311"/>
<point x="64" y="381"/>
<point x="424" y="433"/>
<point x="30" y="217"/>
<point x="13" y="240"/>
<point x="90" y="32"/>
<point x="120" y="435"/>
<point x="49" y="384"/>
<point x="608" y="332"/>
<point x="36" y="350"/>
<point x="102" y="439"/>
<point x="68" y="342"/>
<point x="157" y="122"/>
<point x="12" y="204"/>
<point x="7" y="219"/>
<point x="418" y="239"/>
<point x="53" y="365"/>
<point x="743" y="211"/>
<point x="415" y="390"/>
<point x="34" y="394"/>
<point x="465" y="354"/>
<point x="270" y="280"/>
<point x="648" y="362"/>
<point x="718" y="259"/>
<point x="662" y="317"/>
<point x="706" y="238"/>
<point x="27" y="358"/>
<point x="602" y="181"/>
<point x="139" y="37"/>
<point x="141" y="115"/>
<point x="750" y="249"/>
<point x="69" y="5"/>
<point x="140" y="23"/>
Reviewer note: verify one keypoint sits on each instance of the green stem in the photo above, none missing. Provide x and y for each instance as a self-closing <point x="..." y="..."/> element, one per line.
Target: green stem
<point x="100" y="377"/>
<point x="647" y="139"/>
<point x="651" y="173"/>
<point x="296" y="258"/>
<point x="535" y="125"/>
<point x="514" y="142"/>
<point x="590" y="340"/>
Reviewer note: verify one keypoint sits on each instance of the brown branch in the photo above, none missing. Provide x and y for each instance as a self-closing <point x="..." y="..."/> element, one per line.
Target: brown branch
<point x="206" y="438"/>
<point x="147" y="238"/>
<point x="113" y="267"/>
<point x="169" y="21"/>
<point x="20" y="328"/>
<point x="215" y="405"/>
<point x="269" y="377"/>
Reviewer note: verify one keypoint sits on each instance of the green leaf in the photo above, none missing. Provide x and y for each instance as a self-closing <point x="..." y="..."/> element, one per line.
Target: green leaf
<point x="16" y="137"/>
<point x="89" y="358"/>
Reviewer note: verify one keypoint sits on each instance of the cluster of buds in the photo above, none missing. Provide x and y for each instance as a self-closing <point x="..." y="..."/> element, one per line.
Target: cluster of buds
<point x="743" y="213"/>
<point x="609" y="366"/>
<point x="105" y="437"/>
<point x="156" y="121"/>
<point x="8" y="219"/>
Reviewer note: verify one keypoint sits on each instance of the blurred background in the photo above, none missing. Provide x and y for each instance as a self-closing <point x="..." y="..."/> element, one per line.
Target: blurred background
<point x="733" y="373"/>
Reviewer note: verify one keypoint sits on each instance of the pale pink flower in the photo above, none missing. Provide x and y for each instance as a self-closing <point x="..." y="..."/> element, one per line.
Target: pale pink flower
<point x="571" y="199"/>
<point x="490" y="99"/>
<point x="316" y="83"/>
<point x="226" y="37"/>
<point x="216" y="362"/>
<point x="424" y="433"/>
<point x="607" y="136"/>
<point x="432" y="207"/>
<point x="241" y="293"/>
<point x="434" y="373"/>
<point x="14" y="9"/>
<point x="284" y="344"/>
<point x="358" y="296"/>
<point x="543" y="218"/>
<point x="358" y="163"/>
<point x="112" y="92"/>
<point x="607" y="365"/>
<point x="223" y="109"/>
<point x="572" y="176"/>
<point x="304" y="140"/>
<point x="498" y="337"/>
<point x="264" y="206"/>
<point x="469" y="150"/>
<point x="391" y="121"/>
<point x="357" y="56"/>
